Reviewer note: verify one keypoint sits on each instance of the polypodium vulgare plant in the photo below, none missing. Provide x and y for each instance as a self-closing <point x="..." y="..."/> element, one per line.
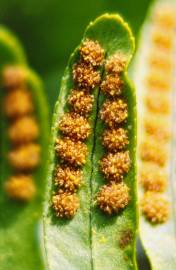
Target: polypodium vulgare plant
<point x="23" y="139"/>
<point x="154" y="76"/>
<point x="90" y="210"/>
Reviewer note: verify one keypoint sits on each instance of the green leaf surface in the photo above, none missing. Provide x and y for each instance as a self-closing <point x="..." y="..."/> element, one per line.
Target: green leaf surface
<point x="19" y="222"/>
<point x="159" y="241"/>
<point x="91" y="240"/>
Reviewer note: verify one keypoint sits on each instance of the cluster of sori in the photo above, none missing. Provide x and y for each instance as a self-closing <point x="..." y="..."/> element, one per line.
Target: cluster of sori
<point x="156" y="142"/>
<point x="23" y="132"/>
<point x="114" y="196"/>
<point x="75" y="129"/>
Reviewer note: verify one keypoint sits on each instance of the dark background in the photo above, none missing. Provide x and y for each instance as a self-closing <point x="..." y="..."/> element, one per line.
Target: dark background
<point x="50" y="29"/>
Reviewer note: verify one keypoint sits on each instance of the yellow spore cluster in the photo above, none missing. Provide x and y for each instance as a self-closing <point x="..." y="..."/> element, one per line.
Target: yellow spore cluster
<point x="13" y="77"/>
<point x="81" y="101"/>
<point x="68" y="178"/>
<point x="155" y="207"/>
<point x="158" y="103"/>
<point x="23" y="132"/>
<point x="160" y="39"/>
<point x="20" y="187"/>
<point x="65" y="204"/>
<point x="75" y="126"/>
<point x="114" y="166"/>
<point x="113" y="198"/>
<point x="153" y="178"/>
<point x="71" y="152"/>
<point x="158" y="128"/>
<point x="112" y="85"/>
<point x="154" y="151"/>
<point x="85" y="76"/>
<point x="18" y="103"/>
<point x="92" y="53"/>
<point x="158" y="81"/>
<point x="114" y="112"/>
<point x="115" y="139"/>
<point x="165" y="16"/>
<point x="25" y="157"/>
<point x="160" y="62"/>
<point x="115" y="64"/>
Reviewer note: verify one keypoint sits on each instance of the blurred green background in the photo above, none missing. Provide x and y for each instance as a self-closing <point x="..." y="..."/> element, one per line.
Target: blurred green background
<point x="50" y="29"/>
